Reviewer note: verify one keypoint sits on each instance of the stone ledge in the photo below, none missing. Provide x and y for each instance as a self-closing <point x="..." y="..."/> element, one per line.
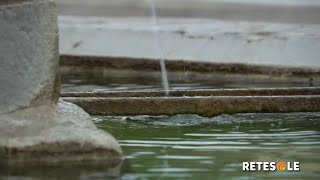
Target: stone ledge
<point x="54" y="134"/>
<point x="207" y="106"/>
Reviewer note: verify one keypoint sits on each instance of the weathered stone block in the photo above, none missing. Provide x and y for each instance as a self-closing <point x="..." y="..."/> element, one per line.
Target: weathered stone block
<point x="29" y="57"/>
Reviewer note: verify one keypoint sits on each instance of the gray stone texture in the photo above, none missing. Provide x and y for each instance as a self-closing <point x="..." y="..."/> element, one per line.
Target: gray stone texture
<point x="28" y="55"/>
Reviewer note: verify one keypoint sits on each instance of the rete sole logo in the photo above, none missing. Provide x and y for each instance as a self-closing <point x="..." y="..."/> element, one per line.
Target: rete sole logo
<point x="271" y="166"/>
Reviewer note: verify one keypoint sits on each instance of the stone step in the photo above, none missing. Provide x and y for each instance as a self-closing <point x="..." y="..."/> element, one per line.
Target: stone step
<point x="282" y="101"/>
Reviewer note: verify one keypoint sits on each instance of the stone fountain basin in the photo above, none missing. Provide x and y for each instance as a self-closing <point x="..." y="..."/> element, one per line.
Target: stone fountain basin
<point x="204" y="102"/>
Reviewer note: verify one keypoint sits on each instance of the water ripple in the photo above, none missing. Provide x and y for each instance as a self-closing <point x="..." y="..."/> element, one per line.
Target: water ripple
<point x="184" y="142"/>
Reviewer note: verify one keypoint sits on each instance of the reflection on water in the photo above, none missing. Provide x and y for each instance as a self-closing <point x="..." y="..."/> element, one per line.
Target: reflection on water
<point x="125" y="82"/>
<point x="63" y="171"/>
<point x="193" y="147"/>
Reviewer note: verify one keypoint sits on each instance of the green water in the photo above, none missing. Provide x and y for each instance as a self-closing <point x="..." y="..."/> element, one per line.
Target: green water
<point x="192" y="147"/>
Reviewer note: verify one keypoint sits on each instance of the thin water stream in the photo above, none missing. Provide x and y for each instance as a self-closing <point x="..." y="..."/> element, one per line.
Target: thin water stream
<point x="164" y="75"/>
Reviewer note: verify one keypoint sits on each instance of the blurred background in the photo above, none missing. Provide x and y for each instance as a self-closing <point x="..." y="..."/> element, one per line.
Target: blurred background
<point x="300" y="11"/>
<point x="267" y="32"/>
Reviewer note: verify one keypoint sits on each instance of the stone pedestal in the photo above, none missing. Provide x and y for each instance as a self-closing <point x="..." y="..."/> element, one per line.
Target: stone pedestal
<point x="34" y="124"/>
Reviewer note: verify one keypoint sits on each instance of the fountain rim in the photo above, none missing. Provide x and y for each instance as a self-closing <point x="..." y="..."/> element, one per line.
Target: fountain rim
<point x="91" y="63"/>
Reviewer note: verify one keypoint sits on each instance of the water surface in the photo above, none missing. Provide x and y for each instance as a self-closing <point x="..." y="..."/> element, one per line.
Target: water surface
<point x="193" y="147"/>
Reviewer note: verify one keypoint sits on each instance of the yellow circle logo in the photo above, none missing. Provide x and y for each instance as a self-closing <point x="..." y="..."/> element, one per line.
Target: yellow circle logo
<point x="281" y="166"/>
